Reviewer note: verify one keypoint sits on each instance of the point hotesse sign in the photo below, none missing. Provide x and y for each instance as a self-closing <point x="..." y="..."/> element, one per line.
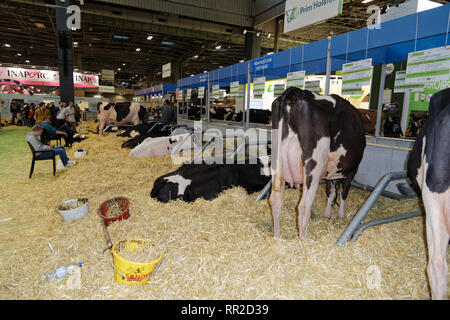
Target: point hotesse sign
<point x="47" y="77"/>
<point x="302" y="13"/>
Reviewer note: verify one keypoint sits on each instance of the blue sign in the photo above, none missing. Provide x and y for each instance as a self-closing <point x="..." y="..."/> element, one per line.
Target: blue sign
<point x="262" y="64"/>
<point x="203" y="78"/>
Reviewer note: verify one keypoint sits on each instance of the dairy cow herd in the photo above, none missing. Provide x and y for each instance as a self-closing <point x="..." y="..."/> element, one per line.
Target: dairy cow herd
<point x="314" y="137"/>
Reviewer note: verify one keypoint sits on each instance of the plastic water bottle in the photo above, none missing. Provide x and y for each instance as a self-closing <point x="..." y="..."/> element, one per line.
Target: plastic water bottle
<point x="62" y="271"/>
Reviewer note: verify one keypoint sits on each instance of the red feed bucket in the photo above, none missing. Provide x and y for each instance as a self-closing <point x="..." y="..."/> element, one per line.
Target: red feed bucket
<point x="124" y="205"/>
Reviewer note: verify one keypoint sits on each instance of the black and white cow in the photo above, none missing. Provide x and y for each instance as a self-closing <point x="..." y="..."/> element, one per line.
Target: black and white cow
<point x="193" y="181"/>
<point x="313" y="137"/>
<point x="429" y="170"/>
<point x="120" y="114"/>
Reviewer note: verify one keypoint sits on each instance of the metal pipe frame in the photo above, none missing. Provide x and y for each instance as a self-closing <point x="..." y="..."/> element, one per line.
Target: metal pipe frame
<point x="363" y="227"/>
<point x="364" y="210"/>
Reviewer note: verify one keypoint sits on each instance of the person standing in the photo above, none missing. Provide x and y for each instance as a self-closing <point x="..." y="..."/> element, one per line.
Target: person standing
<point x="25" y="111"/>
<point x="44" y="151"/>
<point x="77" y="114"/>
<point x="13" y="110"/>
<point x="70" y="117"/>
<point x="61" y="115"/>
<point x="31" y="112"/>
<point x="41" y="112"/>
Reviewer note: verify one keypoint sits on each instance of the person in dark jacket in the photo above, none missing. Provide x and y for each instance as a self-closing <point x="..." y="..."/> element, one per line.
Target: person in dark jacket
<point x="13" y="110"/>
<point x="168" y="113"/>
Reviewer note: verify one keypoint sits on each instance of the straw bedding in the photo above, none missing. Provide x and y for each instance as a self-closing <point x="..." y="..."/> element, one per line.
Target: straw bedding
<point x="221" y="249"/>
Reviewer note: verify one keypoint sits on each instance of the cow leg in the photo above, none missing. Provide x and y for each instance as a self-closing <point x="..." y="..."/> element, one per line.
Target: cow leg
<point x="276" y="202"/>
<point x="344" y="193"/>
<point x="437" y="221"/>
<point x="310" y="184"/>
<point x="101" y="127"/>
<point x="331" y="195"/>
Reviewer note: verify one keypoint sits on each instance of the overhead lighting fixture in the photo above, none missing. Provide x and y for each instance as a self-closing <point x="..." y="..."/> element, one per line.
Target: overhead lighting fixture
<point x="205" y="71"/>
<point x="116" y="36"/>
<point x="269" y="35"/>
<point x="19" y="54"/>
<point x="218" y="47"/>
<point x="7" y="45"/>
<point x="366" y="1"/>
<point x="27" y="61"/>
<point x="258" y="33"/>
<point x="138" y="49"/>
<point x="124" y="64"/>
<point x="270" y="53"/>
<point x="245" y="31"/>
<point x="196" y="56"/>
<point x="118" y="69"/>
<point x="149" y="37"/>
<point x="241" y="61"/>
<point x="75" y="43"/>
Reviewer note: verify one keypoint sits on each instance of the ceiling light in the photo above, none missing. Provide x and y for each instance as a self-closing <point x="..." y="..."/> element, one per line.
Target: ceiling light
<point x="218" y="47"/>
<point x="366" y="1"/>
<point x="19" y="54"/>
<point x="138" y="49"/>
<point x="196" y="56"/>
<point x="149" y="37"/>
<point x="123" y="64"/>
<point x="241" y="60"/>
<point x="258" y="33"/>
<point x="27" y="61"/>
<point x="269" y="35"/>
<point x="270" y="53"/>
<point x="118" y="69"/>
<point x="75" y="43"/>
<point x="245" y="31"/>
<point x="7" y="45"/>
<point x="205" y="71"/>
<point x="116" y="36"/>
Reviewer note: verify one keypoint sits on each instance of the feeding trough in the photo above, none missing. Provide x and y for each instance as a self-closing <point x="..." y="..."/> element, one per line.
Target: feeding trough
<point x="74" y="209"/>
<point x="115" y="209"/>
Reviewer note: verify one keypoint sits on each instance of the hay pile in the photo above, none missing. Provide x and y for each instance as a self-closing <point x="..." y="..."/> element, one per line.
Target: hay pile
<point x="221" y="249"/>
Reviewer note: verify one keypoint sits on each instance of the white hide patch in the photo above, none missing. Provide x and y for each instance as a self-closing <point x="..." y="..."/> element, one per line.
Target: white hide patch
<point x="265" y="160"/>
<point x="337" y="135"/>
<point x="421" y="170"/>
<point x="328" y="98"/>
<point x="182" y="183"/>
<point x="333" y="161"/>
<point x="320" y="155"/>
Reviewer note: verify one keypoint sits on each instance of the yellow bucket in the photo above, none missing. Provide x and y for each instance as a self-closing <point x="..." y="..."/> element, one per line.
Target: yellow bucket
<point x="129" y="272"/>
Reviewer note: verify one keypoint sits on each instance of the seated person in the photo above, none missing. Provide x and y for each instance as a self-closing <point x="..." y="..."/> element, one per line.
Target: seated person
<point x="53" y="133"/>
<point x="169" y="113"/>
<point x="43" y="151"/>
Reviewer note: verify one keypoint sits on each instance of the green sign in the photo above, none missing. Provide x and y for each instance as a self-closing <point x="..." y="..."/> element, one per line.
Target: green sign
<point x="355" y="75"/>
<point x="427" y="66"/>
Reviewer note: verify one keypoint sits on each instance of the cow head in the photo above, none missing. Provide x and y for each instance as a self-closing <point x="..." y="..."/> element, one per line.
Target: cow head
<point x="164" y="191"/>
